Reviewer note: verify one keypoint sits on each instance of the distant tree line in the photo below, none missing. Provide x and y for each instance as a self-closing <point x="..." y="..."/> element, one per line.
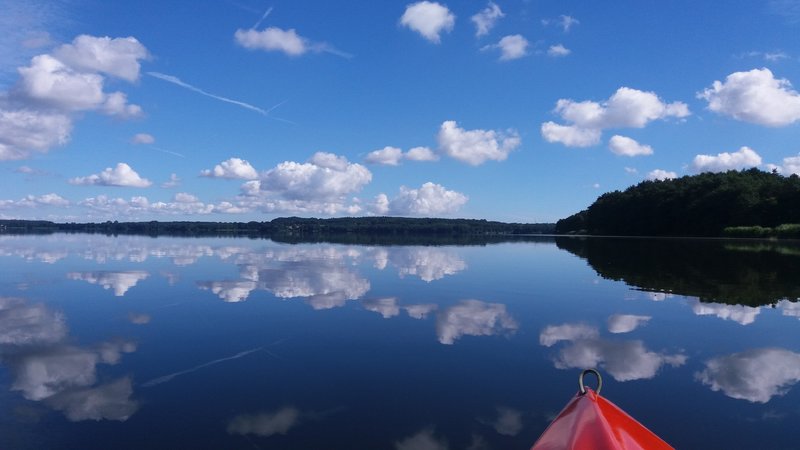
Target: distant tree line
<point x="296" y="229"/>
<point x="749" y="203"/>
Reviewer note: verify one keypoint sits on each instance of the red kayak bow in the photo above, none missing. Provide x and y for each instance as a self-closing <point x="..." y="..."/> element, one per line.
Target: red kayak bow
<point x="590" y="422"/>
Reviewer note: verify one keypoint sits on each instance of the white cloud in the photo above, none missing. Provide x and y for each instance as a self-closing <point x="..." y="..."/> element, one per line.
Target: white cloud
<point x="30" y="201"/>
<point x="627" y="108"/>
<point x="174" y="181"/>
<point x="473" y="318"/>
<point x="53" y="87"/>
<point x="755" y="96"/>
<point x="789" y="309"/>
<point x="117" y="57"/>
<point x="570" y="135"/>
<point x="754" y="375"/>
<point x="744" y="158"/>
<point x="741" y="314"/>
<point x="623" y="360"/>
<point x="429" y="19"/>
<point x="429" y="199"/>
<point x="558" y="50"/>
<point x="486" y="19"/>
<point x="388" y="156"/>
<point x="421" y="154"/>
<point x="230" y="291"/>
<point x="121" y="175"/>
<point x="661" y="175"/>
<point x="233" y="168"/>
<point x="143" y="138"/>
<point x="272" y="39"/>
<point x="320" y="185"/>
<point x="791" y="166"/>
<point x="631" y="170"/>
<point x="475" y="147"/>
<point x="567" y="22"/>
<point x="265" y="424"/>
<point x="625" y="323"/>
<point x="625" y="146"/>
<point x="511" y="47"/>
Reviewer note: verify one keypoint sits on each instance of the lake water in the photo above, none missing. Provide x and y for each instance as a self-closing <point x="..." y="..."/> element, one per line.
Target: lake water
<point x="234" y="343"/>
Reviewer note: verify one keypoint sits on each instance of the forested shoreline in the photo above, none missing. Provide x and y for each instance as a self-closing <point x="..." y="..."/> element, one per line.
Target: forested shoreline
<point x="748" y="203"/>
<point x="296" y="229"/>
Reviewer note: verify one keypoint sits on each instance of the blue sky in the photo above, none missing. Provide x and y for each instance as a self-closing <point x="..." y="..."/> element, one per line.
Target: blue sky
<point x="508" y="110"/>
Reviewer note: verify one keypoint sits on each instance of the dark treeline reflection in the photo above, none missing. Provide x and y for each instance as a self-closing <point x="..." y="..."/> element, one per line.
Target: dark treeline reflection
<point x="751" y="273"/>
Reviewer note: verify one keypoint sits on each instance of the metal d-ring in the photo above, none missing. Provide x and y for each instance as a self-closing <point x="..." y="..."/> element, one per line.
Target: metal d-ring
<point x="596" y="374"/>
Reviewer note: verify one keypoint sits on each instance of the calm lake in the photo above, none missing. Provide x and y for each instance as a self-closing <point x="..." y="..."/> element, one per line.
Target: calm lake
<point x="235" y="343"/>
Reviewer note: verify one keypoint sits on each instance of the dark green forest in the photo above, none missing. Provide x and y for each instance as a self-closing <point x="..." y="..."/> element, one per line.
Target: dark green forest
<point x="749" y="203"/>
<point x="296" y="229"/>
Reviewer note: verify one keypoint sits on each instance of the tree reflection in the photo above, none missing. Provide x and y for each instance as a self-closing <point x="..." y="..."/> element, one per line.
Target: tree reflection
<point x="720" y="271"/>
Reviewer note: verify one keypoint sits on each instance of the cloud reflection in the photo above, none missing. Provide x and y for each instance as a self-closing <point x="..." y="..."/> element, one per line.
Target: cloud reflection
<point x="422" y="440"/>
<point x="754" y="375"/>
<point x="473" y="318"/>
<point x="741" y="314"/>
<point x="33" y="344"/>
<point x="386" y="307"/>
<point x="624" y="360"/>
<point x="121" y="282"/>
<point x="625" y="323"/>
<point x="265" y="424"/>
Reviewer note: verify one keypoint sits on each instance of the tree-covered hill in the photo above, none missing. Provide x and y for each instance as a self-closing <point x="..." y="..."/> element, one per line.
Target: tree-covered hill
<point x="747" y="203"/>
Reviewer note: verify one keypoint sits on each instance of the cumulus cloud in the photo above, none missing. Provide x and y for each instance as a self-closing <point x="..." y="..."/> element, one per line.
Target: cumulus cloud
<point x="741" y="314"/>
<point x="233" y="168"/>
<point x="558" y="50"/>
<point x="430" y="19"/>
<point x="790" y="166"/>
<point x="430" y="199"/>
<point x="744" y="158"/>
<point x="117" y="57"/>
<point x="755" y="96"/>
<point x="52" y="88"/>
<point x="475" y="147"/>
<point x="625" y="323"/>
<point x="570" y="135"/>
<point x="324" y="176"/>
<point x="121" y="175"/>
<point x="660" y="175"/>
<point x="511" y="47"/>
<point x="174" y="181"/>
<point x="473" y="318"/>
<point x="137" y="206"/>
<point x="265" y="424"/>
<point x="623" y="360"/>
<point x="754" y="375"/>
<point x="625" y="146"/>
<point x="486" y="19"/>
<point x="30" y="201"/>
<point x="420" y="311"/>
<point x="143" y="138"/>
<point x="388" y="156"/>
<point x="421" y="154"/>
<point x="274" y="39"/>
<point x="427" y="263"/>
<point x="392" y="156"/>
<point x="627" y="108"/>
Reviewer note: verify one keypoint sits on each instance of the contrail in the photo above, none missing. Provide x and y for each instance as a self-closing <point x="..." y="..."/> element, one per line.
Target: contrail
<point x="176" y="80"/>
<point x="167" y="151"/>
<point x="262" y="18"/>
<point x="169" y="377"/>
